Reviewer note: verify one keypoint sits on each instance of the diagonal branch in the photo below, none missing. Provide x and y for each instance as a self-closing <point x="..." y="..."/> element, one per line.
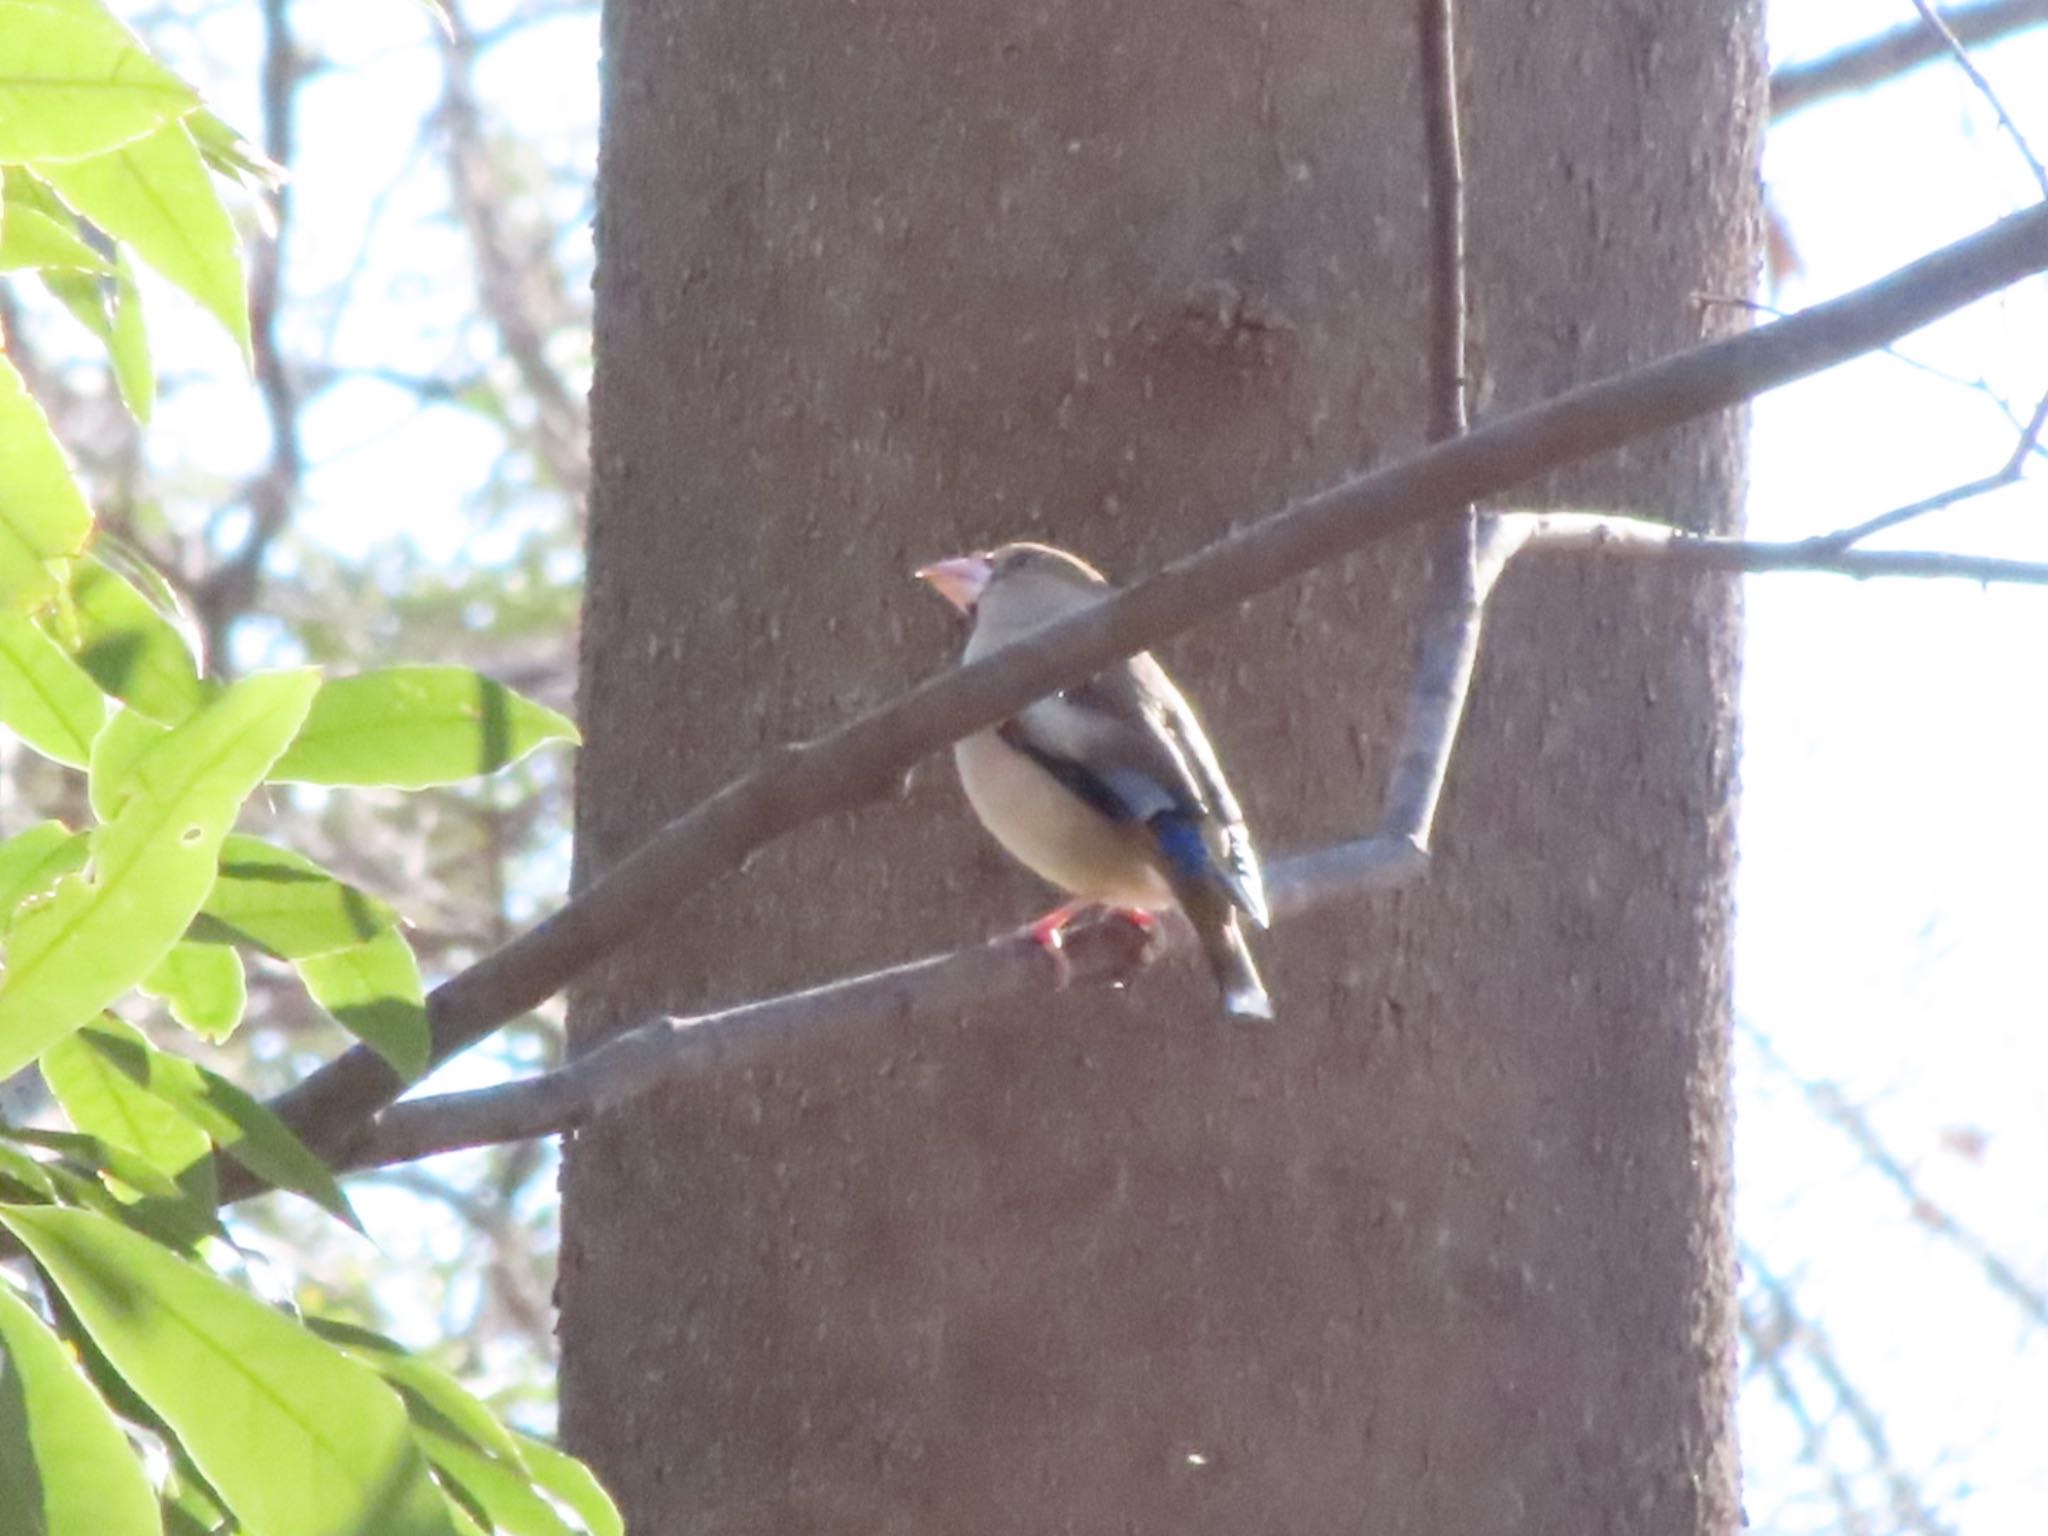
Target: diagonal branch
<point x="666" y="1051"/>
<point x="801" y="783"/>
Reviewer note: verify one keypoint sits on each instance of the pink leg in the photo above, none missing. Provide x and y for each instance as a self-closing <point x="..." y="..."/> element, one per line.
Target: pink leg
<point x="1049" y="934"/>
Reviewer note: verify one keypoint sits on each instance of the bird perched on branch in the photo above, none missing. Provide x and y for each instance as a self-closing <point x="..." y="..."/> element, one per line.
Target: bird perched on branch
<point x="1108" y="789"/>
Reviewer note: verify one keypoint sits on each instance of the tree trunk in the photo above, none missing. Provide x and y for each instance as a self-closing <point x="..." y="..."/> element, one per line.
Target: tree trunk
<point x="1446" y="1248"/>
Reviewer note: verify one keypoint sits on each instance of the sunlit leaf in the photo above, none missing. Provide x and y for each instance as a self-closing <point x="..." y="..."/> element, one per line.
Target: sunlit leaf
<point x="229" y="154"/>
<point x="74" y="84"/>
<point x="43" y="515"/>
<point x="128" y="346"/>
<point x="104" y="1101"/>
<point x="99" y="1156"/>
<point x="423" y="1383"/>
<point x="154" y="195"/>
<point x="46" y="698"/>
<point x="373" y="989"/>
<point x="66" y="1469"/>
<point x="30" y="238"/>
<point x="575" y="1485"/>
<point x="25" y="1174"/>
<point x="297" y="1438"/>
<point x="132" y="650"/>
<point x="237" y="1123"/>
<point x="413" y="727"/>
<point x="203" y="985"/>
<point x="288" y="906"/>
<point x="105" y="928"/>
<point x="503" y="1492"/>
<point x="34" y="860"/>
<point x="120" y="746"/>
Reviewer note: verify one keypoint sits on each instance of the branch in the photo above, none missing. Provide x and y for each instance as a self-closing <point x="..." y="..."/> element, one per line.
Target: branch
<point x="1891" y="54"/>
<point x="801" y="783"/>
<point x="1832" y="1105"/>
<point x="225" y="595"/>
<point x="1630" y="538"/>
<point x="1447" y="641"/>
<point x="1788" y="1323"/>
<point x="1961" y="55"/>
<point x="1107" y="952"/>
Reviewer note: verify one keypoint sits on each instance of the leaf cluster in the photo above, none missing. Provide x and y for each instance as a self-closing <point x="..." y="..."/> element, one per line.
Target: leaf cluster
<point x="141" y="1390"/>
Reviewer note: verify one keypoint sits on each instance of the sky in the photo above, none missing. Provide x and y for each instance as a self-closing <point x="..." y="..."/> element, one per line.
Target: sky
<point x="1892" y="908"/>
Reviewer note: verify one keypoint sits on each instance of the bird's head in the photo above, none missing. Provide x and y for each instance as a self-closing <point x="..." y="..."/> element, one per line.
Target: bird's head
<point x="1017" y="587"/>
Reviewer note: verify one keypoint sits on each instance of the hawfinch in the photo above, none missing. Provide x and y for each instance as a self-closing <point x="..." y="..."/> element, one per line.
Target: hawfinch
<point x="1108" y="789"/>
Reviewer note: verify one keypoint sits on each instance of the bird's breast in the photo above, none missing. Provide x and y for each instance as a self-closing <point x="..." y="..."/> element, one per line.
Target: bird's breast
<point x="1052" y="832"/>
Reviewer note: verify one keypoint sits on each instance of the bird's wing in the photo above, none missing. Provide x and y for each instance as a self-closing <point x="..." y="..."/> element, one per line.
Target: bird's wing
<point x="1127" y="743"/>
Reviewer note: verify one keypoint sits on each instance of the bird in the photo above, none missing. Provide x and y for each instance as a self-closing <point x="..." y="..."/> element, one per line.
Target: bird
<point x="1108" y="789"/>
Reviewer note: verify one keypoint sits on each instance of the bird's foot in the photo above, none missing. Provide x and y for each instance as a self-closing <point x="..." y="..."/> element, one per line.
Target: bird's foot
<point x="1049" y="933"/>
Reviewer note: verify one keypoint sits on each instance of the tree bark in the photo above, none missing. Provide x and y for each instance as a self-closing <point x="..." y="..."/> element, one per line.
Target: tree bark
<point x="1447" y="1247"/>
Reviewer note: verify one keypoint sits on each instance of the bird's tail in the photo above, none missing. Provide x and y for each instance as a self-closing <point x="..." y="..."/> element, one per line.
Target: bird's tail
<point x="1214" y="918"/>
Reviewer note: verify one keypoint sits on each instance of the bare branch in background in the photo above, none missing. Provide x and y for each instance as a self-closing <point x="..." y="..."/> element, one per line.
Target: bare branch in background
<point x="1798" y="1332"/>
<point x="2009" y="473"/>
<point x="1832" y="1105"/>
<point x="228" y="591"/>
<point x="521" y="292"/>
<point x="1768" y="1335"/>
<point x="1961" y="55"/>
<point x="1875" y="60"/>
<point x="801" y="783"/>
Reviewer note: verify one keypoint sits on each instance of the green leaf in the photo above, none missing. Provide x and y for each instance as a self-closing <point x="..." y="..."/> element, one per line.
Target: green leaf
<point x="31" y="1180"/>
<point x="504" y="1493"/>
<point x="46" y="698"/>
<point x="425" y="1384"/>
<point x="240" y="1126"/>
<point x="120" y="746"/>
<point x="415" y="727"/>
<point x="154" y="195"/>
<point x="104" y="1101"/>
<point x="43" y="515"/>
<point x="30" y="238"/>
<point x="228" y="154"/>
<point x="107" y="1105"/>
<point x="295" y="1437"/>
<point x="575" y="1485"/>
<point x="288" y="906"/>
<point x="97" y="1155"/>
<point x="128" y="346"/>
<point x="203" y="985"/>
<point x="373" y="989"/>
<point x="34" y="860"/>
<point x="105" y="928"/>
<point x="131" y="649"/>
<point x="75" y="84"/>
<point x="66" y="1468"/>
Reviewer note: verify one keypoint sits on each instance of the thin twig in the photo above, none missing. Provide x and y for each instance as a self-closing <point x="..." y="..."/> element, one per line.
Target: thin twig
<point x="1875" y="60"/>
<point x="1633" y="538"/>
<point x="1767" y="1338"/>
<point x="862" y="759"/>
<point x="1954" y="45"/>
<point x="272" y="494"/>
<point x="1907" y="1507"/>
<point x="2006" y="474"/>
<point x="1829" y="1102"/>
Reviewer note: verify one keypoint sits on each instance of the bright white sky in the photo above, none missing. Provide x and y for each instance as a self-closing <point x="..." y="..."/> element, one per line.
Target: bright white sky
<point x="1893" y="908"/>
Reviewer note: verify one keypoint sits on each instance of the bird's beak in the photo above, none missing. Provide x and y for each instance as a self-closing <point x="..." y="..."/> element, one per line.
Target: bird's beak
<point x="960" y="581"/>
